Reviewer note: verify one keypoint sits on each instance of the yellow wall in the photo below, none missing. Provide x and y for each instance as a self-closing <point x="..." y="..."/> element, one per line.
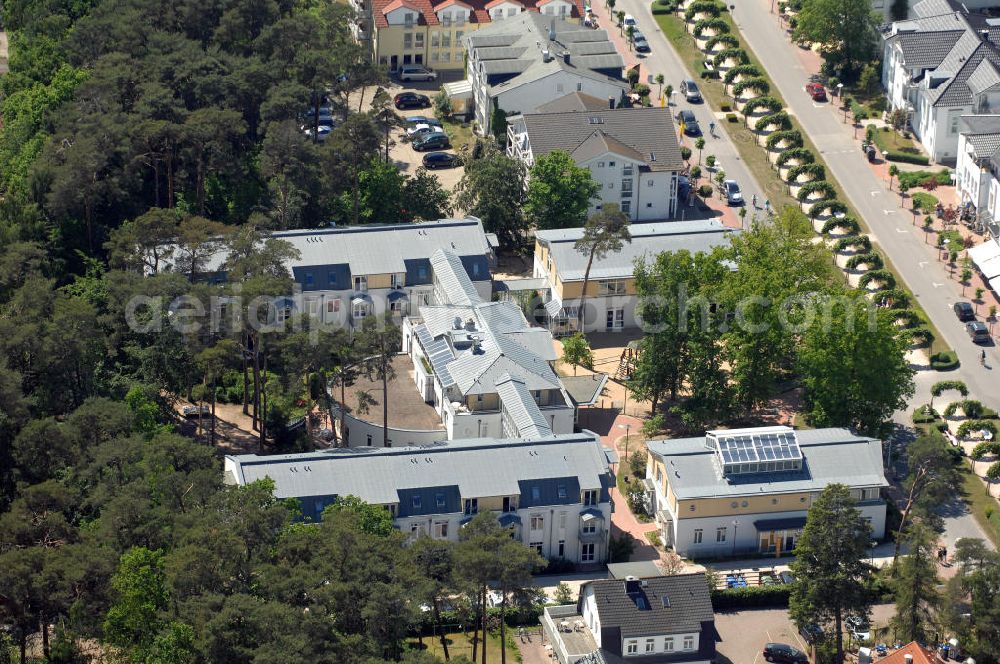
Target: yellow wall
<point x="573" y="289"/>
<point x="755" y="505"/>
<point x="389" y="41"/>
<point x="489" y="402"/>
<point x="380" y="281"/>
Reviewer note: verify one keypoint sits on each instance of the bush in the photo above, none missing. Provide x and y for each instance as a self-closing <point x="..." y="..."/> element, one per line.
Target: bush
<point x="906" y="157"/>
<point x="946" y="360"/>
<point x="660" y="10"/>
<point x="920" y="335"/>
<point x="637" y="463"/>
<point x="792" y="138"/>
<point x="970" y="408"/>
<point x="751" y="597"/>
<point x="695" y="172"/>
<point x="938" y="388"/>
<point x="770" y="103"/>
<point x="801" y="155"/>
<point x="747" y="71"/>
<point x="705" y="191"/>
<point x="821" y="187"/>
<point x="620" y="549"/>
<point x="685" y="152"/>
<point x="985" y="448"/>
<point x="975" y="426"/>
<point x="716" y="24"/>
<point x="725" y="107"/>
<point x="779" y="120"/>
<point x="924" y="415"/>
<point x="758" y="85"/>
<point x="884" y="278"/>
<point x="731" y="117"/>
<point x="709" y="74"/>
<point x="915" y="179"/>
<point x="729" y="40"/>
<point x="923" y="201"/>
<point x="702" y="7"/>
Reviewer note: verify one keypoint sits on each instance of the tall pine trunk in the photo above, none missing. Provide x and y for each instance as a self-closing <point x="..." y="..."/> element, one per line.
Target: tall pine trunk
<point x="212" y="434"/>
<point x="385" y="410"/>
<point x="485" y="633"/>
<point x="503" y="627"/>
<point x="45" y="637"/>
<point x="440" y="629"/>
<point x="476" y="623"/>
<point x="580" y="318"/>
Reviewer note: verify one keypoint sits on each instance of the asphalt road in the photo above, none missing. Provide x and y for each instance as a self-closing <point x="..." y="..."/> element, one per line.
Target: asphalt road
<point x="663" y="59"/>
<point x="891" y="225"/>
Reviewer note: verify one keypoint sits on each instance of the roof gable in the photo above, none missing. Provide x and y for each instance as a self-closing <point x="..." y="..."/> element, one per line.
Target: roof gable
<point x="655" y="605"/>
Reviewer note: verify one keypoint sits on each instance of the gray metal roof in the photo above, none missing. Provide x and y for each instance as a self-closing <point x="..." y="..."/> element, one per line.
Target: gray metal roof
<point x="515" y="46"/>
<point x="477" y="467"/>
<point x="648" y="240"/>
<point x="982" y="132"/>
<point x="585" y="390"/>
<point x="830" y="456"/>
<point x="646" y="135"/>
<point x="639" y="569"/>
<point x="519" y="404"/>
<point x="653" y="605"/>
<point x="438" y="352"/>
<point x="574" y="101"/>
<point x="451" y="278"/>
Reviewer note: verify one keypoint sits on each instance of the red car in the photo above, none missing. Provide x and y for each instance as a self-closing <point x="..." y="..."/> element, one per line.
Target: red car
<point x="816" y="91"/>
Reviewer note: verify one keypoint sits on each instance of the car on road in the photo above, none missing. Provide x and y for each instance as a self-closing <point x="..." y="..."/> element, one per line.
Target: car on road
<point x="978" y="332"/>
<point x="433" y="160"/>
<point x="411" y="100"/>
<point x="435" y="141"/>
<point x="964" y="311"/>
<point x="782" y="653"/>
<point x="417" y="74"/>
<point x="422" y="119"/>
<point x="629" y="21"/>
<point x="859" y="627"/>
<point x="195" y="411"/>
<point x="639" y="42"/>
<point x="690" y="91"/>
<point x="816" y="91"/>
<point x="732" y="191"/>
<point x="811" y="633"/>
<point x="691" y="127"/>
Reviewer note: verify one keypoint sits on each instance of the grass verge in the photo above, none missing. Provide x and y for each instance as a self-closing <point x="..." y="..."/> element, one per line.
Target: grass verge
<point x="983" y="507"/>
<point x="755" y="157"/>
<point x="460" y="134"/>
<point x="460" y="643"/>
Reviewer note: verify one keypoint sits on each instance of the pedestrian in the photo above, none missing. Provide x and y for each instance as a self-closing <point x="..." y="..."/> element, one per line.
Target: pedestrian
<point x="711" y="128"/>
<point x="767" y="206"/>
<point x="753" y="200"/>
<point x="982" y="358"/>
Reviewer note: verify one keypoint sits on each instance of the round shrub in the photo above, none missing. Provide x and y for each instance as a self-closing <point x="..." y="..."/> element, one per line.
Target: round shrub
<point x="946" y="360"/>
<point x="685" y="152"/>
<point x="705" y="191"/>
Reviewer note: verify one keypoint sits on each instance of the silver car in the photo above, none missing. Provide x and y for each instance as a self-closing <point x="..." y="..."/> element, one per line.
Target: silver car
<point x="733" y="194"/>
<point x="417" y="74"/>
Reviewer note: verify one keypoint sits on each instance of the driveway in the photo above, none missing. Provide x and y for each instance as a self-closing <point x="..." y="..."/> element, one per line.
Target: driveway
<point x="891" y="225"/>
<point x="663" y="59"/>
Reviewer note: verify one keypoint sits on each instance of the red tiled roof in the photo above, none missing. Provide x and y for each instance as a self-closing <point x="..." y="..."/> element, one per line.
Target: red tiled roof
<point x="480" y="9"/>
<point x="920" y="655"/>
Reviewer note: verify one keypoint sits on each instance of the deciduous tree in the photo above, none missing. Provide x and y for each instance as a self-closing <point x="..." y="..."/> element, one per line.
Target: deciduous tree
<point x="559" y="192"/>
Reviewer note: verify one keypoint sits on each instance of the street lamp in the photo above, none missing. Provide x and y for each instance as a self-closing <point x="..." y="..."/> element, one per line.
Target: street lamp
<point x="627" y="426"/>
<point x="736" y="524"/>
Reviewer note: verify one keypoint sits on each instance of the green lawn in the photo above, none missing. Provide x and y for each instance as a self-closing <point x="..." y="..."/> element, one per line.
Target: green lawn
<point x="459" y="134"/>
<point x="461" y="644"/>
<point x="674" y="29"/>
<point x="895" y="142"/>
<point x="974" y="494"/>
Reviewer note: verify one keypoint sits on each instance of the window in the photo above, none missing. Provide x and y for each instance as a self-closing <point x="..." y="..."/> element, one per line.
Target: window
<point x="650" y="645"/>
<point x="416" y="529"/>
<point x="720" y="534"/>
<point x="627" y="185"/>
<point x="312" y="306"/>
<point x="309" y="278"/>
<point x="536" y="493"/>
<point x="611" y="287"/>
<point x="508" y="504"/>
<point x="419" y="40"/>
<point x="497" y="14"/>
<point x="689" y="642"/>
<point x="511" y="11"/>
<point x="561" y="490"/>
<point x="587" y="553"/>
<point x="537" y="546"/>
<point x="649" y="183"/>
<point x="331" y="278"/>
<point x="416" y="502"/>
<point x="562" y="10"/>
<point x="471" y="505"/>
<point x="562" y="548"/>
<point x="395" y="281"/>
<point x="360" y="310"/>
<point x="446" y="57"/>
<point x="691" y="508"/>
<point x="562" y="520"/>
<point x="459" y="20"/>
<point x="626" y="203"/>
<point x="440" y="501"/>
<point x="548" y="10"/>
<point x="627" y="169"/>
<point x="589" y="527"/>
<point x="368" y="440"/>
<point x="590" y="497"/>
<point x="631" y="647"/>
<point x="697" y="536"/>
<point x="446" y="19"/>
<point x="458" y="35"/>
<point x="441" y="529"/>
<point x="408" y="19"/>
<point x="611" y="164"/>
<point x="361" y="283"/>
<point x="600" y="164"/>
<point x="408" y="39"/>
<point x="559" y="88"/>
<point x="537" y="522"/>
<point x="446" y="40"/>
<point x="579" y="87"/>
<point x="435" y="39"/>
<point x="668" y="644"/>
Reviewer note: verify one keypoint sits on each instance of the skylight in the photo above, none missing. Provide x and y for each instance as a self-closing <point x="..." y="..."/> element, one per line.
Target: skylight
<point x="762" y="450"/>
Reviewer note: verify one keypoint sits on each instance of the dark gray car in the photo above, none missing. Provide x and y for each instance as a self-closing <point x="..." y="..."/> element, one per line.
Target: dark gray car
<point x="690" y="91"/>
<point x="691" y="127"/>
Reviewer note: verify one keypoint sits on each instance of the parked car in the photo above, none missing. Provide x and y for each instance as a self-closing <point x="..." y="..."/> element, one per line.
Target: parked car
<point x="786" y="577"/>
<point x="690" y="91"/>
<point x="816" y="91"/>
<point x="629" y="20"/>
<point x="435" y="141"/>
<point x="811" y="633"/>
<point x="783" y="653"/>
<point x="195" y="411"/>
<point x="964" y="311"/>
<point x="321" y="133"/>
<point x="978" y="332"/>
<point x="639" y="42"/>
<point x="732" y="192"/>
<point x="411" y="100"/>
<point x="417" y="74"/>
<point x="691" y="127"/>
<point x="859" y="627"/>
<point x="421" y="130"/>
<point x="434" y="160"/>
<point x="422" y="119"/>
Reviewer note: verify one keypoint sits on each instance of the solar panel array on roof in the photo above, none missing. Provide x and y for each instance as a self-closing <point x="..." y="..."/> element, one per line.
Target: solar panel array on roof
<point x="438" y="352"/>
<point x="755" y="452"/>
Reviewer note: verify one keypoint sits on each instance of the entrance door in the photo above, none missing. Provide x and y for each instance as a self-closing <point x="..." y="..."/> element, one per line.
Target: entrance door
<point x="394" y="63"/>
<point x="615" y="319"/>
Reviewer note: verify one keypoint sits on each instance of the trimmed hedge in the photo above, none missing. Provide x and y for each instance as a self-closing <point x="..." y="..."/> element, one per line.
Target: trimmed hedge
<point x="764" y="101"/>
<point x="727" y="39"/>
<point x="920" y="335"/>
<point x="915" y="179"/>
<point x="884" y="277"/>
<point x="716" y="24"/>
<point x="856" y="242"/>
<point x="743" y="70"/>
<point x="872" y="260"/>
<point x="974" y="426"/>
<point x="906" y="157"/>
<point x="895" y="298"/>
<point x="731" y="117"/>
<point x="923" y="201"/>
<point x="925" y="415"/>
<point x="752" y="596"/>
<point x="822" y="187"/>
<point x="849" y="224"/>
<point x="815" y="170"/>
<point x="946" y="360"/>
<point x="758" y="85"/>
<point x="779" y="119"/>
<point x="702" y="7"/>
<point x="792" y="136"/>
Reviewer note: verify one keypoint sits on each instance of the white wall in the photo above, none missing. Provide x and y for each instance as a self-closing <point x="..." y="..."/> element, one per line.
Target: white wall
<point x="598" y="307"/>
<point x="359" y="430"/>
<point x="972" y="182"/>
<point x="590" y="615"/>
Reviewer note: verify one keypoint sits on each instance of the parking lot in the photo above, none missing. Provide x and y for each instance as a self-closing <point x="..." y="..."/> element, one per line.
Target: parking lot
<point x="742" y="634"/>
<point x="402" y="153"/>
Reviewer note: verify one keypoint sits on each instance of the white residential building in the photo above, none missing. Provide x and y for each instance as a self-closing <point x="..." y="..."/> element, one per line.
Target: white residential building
<point x="749" y="490"/>
<point x="632" y="153"/>
<point x="978" y="167"/>
<point x="938" y="66"/>
<point x="553" y="493"/>
<point x="529" y="59"/>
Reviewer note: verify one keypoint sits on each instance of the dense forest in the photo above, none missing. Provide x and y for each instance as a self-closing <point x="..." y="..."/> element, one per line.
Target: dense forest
<point x="127" y="123"/>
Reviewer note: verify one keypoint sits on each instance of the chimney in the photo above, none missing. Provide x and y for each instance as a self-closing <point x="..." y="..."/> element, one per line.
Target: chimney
<point x="611" y="103"/>
<point x="566" y="57"/>
<point x="552" y="30"/>
<point x="984" y="35"/>
<point x="908" y="658"/>
<point x="546" y="56"/>
<point x="458" y="322"/>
